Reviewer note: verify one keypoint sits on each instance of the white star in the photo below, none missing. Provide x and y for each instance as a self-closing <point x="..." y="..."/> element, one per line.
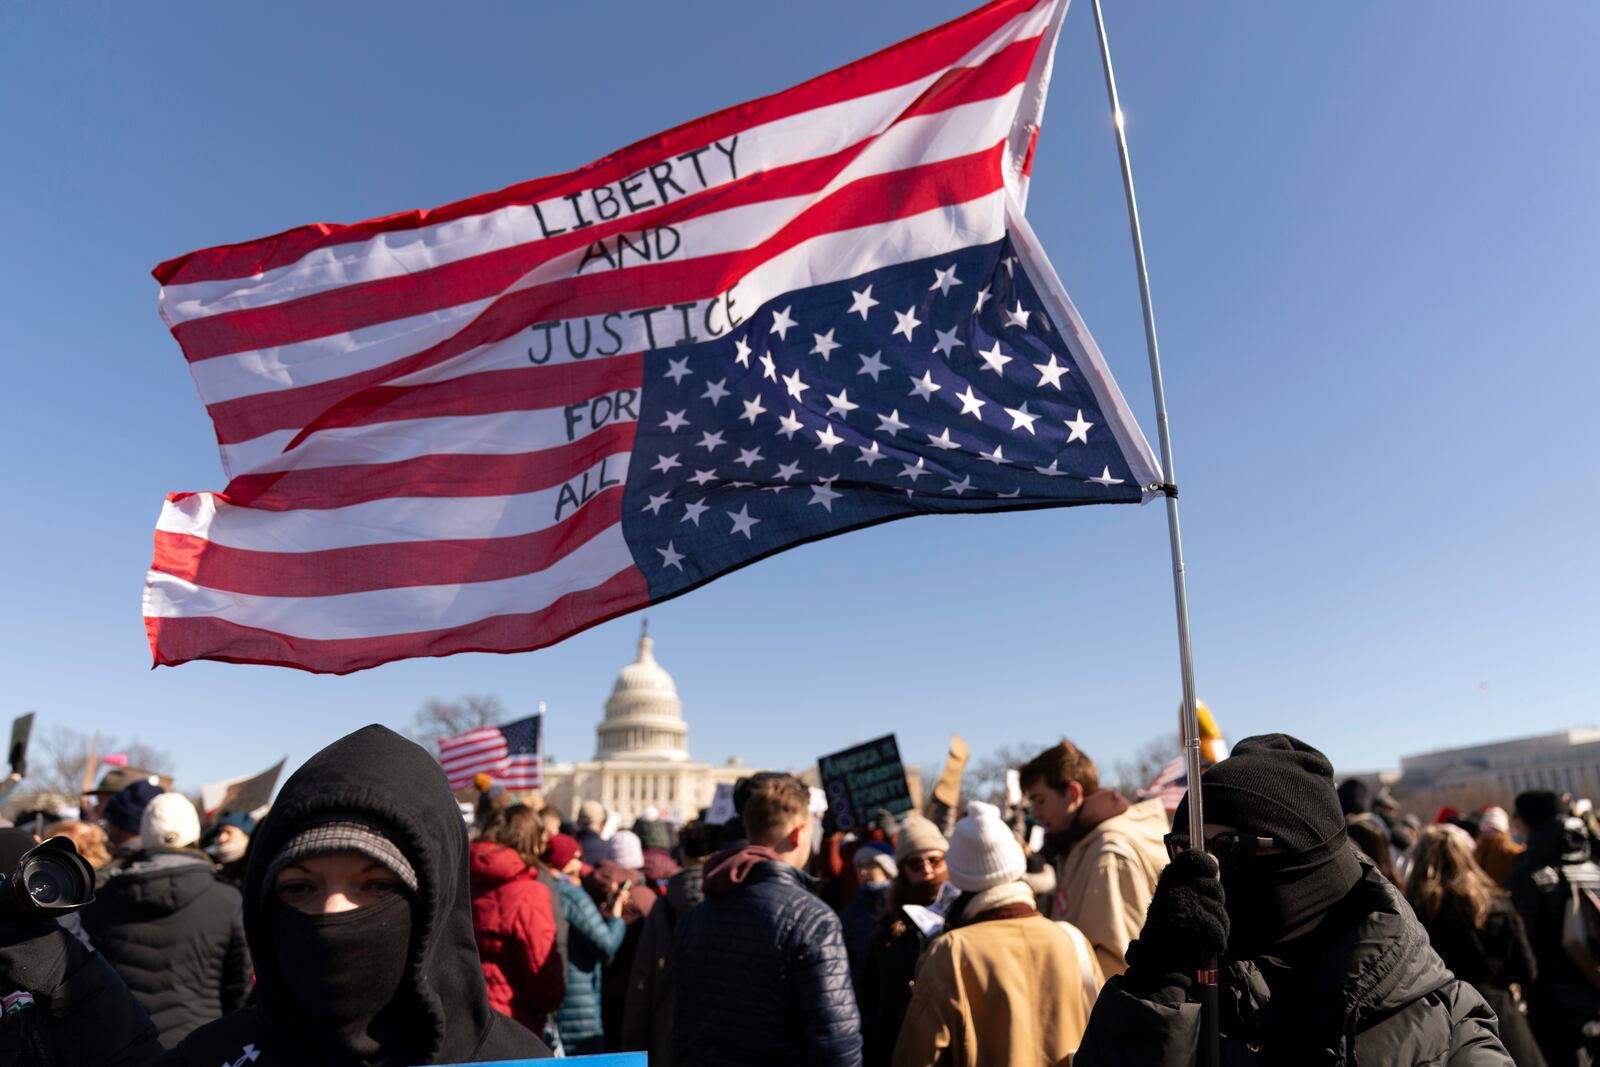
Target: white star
<point x="947" y="341"/>
<point x="827" y="440"/>
<point x="1011" y="265"/>
<point x="1051" y="372"/>
<point x="906" y="321"/>
<point x="702" y="477"/>
<point x="657" y="503"/>
<point x="1011" y="495"/>
<point x="913" y="470"/>
<point x="788" y="425"/>
<point x="1105" y="478"/>
<point x="1052" y="471"/>
<point x="869" y="456"/>
<point x="692" y="512"/>
<point x="873" y="365"/>
<point x="715" y="391"/>
<point x="1021" y="418"/>
<point x="753" y="408"/>
<point x="675" y="419"/>
<point x="749" y="457"/>
<point x="787" y="471"/>
<point x="1017" y="317"/>
<point x="944" y="280"/>
<point x="1078" y="429"/>
<point x="781" y="322"/>
<point x="769" y="369"/>
<point x="671" y="557"/>
<point x="924" y="386"/>
<point x="678" y="370"/>
<point x="793" y="383"/>
<point x="890" y="423"/>
<point x="741" y="485"/>
<point x="997" y="456"/>
<point x="824" y="346"/>
<point x="711" y="441"/>
<point x="993" y="360"/>
<point x="970" y="404"/>
<point x="942" y="441"/>
<point x="841" y="403"/>
<point x="742" y="521"/>
<point x="666" y="463"/>
<point x="862" y="303"/>
<point x="959" y="487"/>
<point x="776" y="488"/>
<point x="741" y="354"/>
<point x="983" y="298"/>
<point x="824" y="494"/>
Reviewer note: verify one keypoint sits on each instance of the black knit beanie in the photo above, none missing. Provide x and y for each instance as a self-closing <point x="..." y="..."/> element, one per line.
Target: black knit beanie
<point x="1537" y="807"/>
<point x="1275" y="786"/>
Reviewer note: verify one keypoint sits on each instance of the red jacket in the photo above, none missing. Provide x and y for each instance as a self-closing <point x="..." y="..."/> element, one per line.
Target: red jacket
<point x="515" y="926"/>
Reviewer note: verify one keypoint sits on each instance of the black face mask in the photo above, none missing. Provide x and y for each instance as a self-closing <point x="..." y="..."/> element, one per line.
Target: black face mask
<point x="1276" y="898"/>
<point x="342" y="974"/>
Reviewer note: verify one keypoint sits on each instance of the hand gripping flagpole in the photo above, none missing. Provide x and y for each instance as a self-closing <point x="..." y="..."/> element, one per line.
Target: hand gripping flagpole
<point x="1206" y="979"/>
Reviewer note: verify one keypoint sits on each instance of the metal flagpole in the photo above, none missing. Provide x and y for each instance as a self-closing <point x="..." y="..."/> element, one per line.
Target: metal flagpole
<point x="1206" y="979"/>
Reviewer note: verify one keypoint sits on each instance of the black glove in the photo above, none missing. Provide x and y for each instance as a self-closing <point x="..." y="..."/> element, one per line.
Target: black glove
<point x="1187" y="922"/>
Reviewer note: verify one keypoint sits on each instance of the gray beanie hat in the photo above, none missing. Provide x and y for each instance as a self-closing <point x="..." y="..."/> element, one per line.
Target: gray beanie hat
<point x="344" y="835"/>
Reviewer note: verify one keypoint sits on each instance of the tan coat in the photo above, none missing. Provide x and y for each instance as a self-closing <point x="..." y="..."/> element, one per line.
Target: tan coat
<point x="1105" y="883"/>
<point x="1000" y="991"/>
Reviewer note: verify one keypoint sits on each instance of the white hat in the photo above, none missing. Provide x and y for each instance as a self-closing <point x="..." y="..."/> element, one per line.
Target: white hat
<point x="983" y="851"/>
<point x="627" y="850"/>
<point x="169" y="821"/>
<point x="1495" y="818"/>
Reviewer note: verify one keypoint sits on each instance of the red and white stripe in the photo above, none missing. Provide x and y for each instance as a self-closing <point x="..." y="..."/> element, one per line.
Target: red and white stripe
<point x="481" y="751"/>
<point x="391" y="452"/>
<point x="521" y="772"/>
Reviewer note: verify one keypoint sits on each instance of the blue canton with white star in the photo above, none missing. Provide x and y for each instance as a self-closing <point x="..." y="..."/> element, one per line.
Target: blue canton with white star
<point x="938" y="385"/>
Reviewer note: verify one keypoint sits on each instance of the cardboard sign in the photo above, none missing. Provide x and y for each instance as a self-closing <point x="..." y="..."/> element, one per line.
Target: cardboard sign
<point x="21" y="730"/>
<point x="249" y="793"/>
<point x="860" y="780"/>
<point x="948" y="790"/>
<point x="721" y="805"/>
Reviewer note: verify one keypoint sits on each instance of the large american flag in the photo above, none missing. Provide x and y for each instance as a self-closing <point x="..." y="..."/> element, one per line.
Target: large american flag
<point x="511" y="755"/>
<point x="490" y="425"/>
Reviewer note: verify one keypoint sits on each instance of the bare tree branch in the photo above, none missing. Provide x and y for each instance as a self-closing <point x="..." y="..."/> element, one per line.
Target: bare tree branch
<point x="438" y="719"/>
<point x="58" y="754"/>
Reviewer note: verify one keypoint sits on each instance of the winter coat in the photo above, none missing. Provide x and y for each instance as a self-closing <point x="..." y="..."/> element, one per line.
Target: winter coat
<point x="592" y="942"/>
<point x="176" y="935"/>
<point x="1371" y="994"/>
<point x="1492" y="958"/>
<point x="603" y="884"/>
<point x="1561" y="1002"/>
<point x="1497" y="853"/>
<point x="1004" y="986"/>
<point x="1105" y="880"/>
<point x="551" y="880"/>
<point x="859" y="920"/>
<point x="647" y="1020"/>
<point x="516" y="932"/>
<point x="762" y="973"/>
<point x="375" y="775"/>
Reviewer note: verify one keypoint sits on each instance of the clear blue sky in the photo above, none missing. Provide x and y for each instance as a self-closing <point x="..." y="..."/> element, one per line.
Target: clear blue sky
<point x="1372" y="230"/>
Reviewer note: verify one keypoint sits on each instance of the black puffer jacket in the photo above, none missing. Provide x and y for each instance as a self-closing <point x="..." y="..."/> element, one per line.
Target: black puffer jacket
<point x="175" y="933"/>
<point x="1557" y="855"/>
<point x="1371" y="993"/>
<point x="762" y="973"/>
<point x="379" y="777"/>
<point x="647" y="1022"/>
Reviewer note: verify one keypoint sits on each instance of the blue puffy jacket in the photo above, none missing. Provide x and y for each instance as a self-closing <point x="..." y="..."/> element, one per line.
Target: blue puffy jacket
<point x="592" y="940"/>
<point x="762" y="973"/>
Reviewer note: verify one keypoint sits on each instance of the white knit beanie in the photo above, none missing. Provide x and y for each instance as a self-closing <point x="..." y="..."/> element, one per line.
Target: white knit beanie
<point x="169" y="821"/>
<point x="983" y="851"/>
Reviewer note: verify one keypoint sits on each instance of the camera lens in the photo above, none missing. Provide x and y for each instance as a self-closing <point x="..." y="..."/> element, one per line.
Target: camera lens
<point x="44" y="887"/>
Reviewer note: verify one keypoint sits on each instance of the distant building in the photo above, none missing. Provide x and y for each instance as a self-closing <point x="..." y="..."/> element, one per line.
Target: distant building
<point x="641" y="752"/>
<point x="1494" y="773"/>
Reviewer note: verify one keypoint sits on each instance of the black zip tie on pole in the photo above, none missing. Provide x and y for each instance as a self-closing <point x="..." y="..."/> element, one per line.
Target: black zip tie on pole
<point x="1164" y="488"/>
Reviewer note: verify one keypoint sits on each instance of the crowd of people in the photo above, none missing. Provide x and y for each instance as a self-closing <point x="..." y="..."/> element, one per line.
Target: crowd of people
<point x="363" y="922"/>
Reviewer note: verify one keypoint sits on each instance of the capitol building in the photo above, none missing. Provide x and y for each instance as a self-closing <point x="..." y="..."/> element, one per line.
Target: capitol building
<point x="641" y="752"/>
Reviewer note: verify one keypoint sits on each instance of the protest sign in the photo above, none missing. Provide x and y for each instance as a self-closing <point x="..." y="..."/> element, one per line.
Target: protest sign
<point x="948" y="789"/>
<point x="248" y="793"/>
<point x="860" y="780"/>
<point x="721" y="805"/>
<point x="21" y="730"/>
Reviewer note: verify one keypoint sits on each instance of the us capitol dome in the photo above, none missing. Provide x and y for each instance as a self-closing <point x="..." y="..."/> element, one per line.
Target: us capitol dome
<point x="641" y="751"/>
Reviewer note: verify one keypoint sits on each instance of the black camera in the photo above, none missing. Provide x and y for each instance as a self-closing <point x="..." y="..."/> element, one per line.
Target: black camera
<point x="50" y="879"/>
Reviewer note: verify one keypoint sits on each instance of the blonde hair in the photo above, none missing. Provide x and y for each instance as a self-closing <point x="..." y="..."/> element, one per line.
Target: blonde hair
<point x="86" y="837"/>
<point x="1444" y="873"/>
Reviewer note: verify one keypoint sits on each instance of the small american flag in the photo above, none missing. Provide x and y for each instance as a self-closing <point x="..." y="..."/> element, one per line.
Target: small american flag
<point x="511" y="755"/>
<point x="490" y="425"/>
<point x="1170" y="785"/>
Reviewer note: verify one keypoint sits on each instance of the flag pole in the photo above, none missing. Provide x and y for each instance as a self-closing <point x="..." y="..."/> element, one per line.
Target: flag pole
<point x="1207" y="977"/>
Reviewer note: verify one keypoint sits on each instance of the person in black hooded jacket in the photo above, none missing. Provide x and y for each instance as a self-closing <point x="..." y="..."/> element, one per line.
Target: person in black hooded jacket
<point x="359" y="921"/>
<point x="1321" y="959"/>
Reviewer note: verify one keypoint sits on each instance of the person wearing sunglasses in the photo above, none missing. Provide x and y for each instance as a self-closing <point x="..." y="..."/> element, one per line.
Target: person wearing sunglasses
<point x="1321" y="960"/>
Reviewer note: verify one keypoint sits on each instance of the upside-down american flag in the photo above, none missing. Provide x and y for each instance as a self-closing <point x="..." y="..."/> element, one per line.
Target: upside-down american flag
<point x="511" y="755"/>
<point x="490" y="425"/>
